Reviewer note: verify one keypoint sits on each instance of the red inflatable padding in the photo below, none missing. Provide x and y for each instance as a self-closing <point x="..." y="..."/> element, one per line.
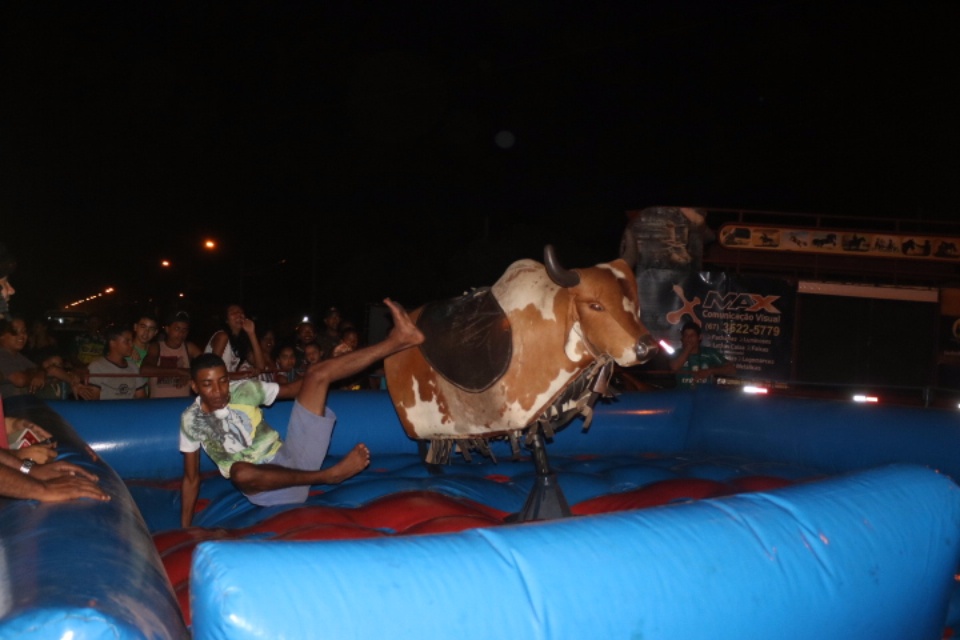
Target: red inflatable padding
<point x="757" y="483"/>
<point x="166" y="541"/>
<point x="177" y="561"/>
<point x="452" y="524"/>
<point x="330" y="532"/>
<point x="305" y="516"/>
<point x="651" y="495"/>
<point x="400" y="511"/>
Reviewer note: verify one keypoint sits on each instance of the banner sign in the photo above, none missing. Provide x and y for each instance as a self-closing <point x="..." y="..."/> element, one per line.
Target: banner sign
<point x="750" y="319"/>
<point x="826" y="241"/>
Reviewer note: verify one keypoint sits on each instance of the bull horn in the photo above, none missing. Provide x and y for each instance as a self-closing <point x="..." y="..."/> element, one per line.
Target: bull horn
<point x="563" y="277"/>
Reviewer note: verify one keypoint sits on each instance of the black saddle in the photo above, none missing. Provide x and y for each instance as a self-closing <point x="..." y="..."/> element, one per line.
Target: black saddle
<point x="468" y="339"/>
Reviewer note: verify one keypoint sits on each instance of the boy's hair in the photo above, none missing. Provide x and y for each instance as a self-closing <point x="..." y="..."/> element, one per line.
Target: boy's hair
<point x="178" y="316"/>
<point x="114" y="331"/>
<point x="205" y="361"/>
<point x="6" y="325"/>
<point x="691" y="326"/>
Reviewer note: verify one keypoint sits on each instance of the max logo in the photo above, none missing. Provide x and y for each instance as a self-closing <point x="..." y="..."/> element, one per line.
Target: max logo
<point x="689" y="307"/>
<point x="751" y="302"/>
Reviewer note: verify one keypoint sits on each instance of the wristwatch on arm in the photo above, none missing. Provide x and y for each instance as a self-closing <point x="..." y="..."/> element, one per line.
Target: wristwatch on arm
<point x="27" y="466"/>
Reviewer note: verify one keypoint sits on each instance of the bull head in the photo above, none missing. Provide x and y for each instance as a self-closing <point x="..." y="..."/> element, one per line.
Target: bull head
<point x="609" y="322"/>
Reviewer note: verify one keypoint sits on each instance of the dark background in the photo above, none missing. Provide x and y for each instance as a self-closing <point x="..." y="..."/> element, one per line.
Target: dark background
<point x="341" y="152"/>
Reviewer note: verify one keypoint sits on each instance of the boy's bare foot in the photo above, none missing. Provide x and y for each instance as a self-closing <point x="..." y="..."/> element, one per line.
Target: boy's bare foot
<point x="353" y="463"/>
<point x="404" y="330"/>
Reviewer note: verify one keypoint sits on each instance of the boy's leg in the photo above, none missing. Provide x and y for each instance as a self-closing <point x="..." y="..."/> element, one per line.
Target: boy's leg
<point x="308" y="440"/>
<point x="319" y="377"/>
<point x="254" y="480"/>
<point x="288" y="477"/>
<point x="304" y="447"/>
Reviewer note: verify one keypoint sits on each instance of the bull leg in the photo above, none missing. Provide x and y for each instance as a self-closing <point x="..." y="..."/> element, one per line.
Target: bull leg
<point x="545" y="500"/>
<point x="433" y="455"/>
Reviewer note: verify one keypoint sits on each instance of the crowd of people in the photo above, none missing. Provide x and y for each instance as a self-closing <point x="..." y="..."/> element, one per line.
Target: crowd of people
<point x="142" y="357"/>
<point x="239" y="369"/>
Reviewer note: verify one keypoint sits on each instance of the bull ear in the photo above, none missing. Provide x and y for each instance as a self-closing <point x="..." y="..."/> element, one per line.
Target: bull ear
<point x="563" y="277"/>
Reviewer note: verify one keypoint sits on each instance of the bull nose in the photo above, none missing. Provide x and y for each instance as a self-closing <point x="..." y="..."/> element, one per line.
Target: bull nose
<point x="646" y="348"/>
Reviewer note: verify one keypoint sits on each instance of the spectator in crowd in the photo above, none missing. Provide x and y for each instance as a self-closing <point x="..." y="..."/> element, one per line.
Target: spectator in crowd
<point x="144" y="334"/>
<point x="41" y="344"/>
<point x="18" y="374"/>
<point x="55" y="388"/>
<point x="7" y="265"/>
<point x="311" y="355"/>
<point x="89" y="345"/>
<point x="696" y="363"/>
<point x="237" y="344"/>
<point x="305" y="334"/>
<point x="115" y="376"/>
<point x="56" y="481"/>
<point x="286" y="365"/>
<point x="349" y="340"/>
<point x="329" y="337"/>
<point x="268" y="347"/>
<point x="167" y="363"/>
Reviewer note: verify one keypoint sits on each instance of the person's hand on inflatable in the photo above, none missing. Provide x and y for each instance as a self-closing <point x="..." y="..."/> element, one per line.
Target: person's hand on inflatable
<point x="14" y="425"/>
<point x="66" y="481"/>
<point x="39" y="453"/>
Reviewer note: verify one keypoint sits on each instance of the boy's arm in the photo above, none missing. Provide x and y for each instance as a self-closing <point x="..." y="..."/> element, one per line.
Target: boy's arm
<point x="190" y="487"/>
<point x="289" y="389"/>
<point x="149" y="367"/>
<point x="677" y="363"/>
<point x="23" y="379"/>
<point x="725" y="368"/>
<point x="193" y="350"/>
<point x="259" y="361"/>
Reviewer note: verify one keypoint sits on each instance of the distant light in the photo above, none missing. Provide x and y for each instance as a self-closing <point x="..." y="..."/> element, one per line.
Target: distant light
<point x="864" y="398"/>
<point x="164" y="263"/>
<point x="109" y="290"/>
<point x="305" y="319"/>
<point x="209" y="244"/>
<point x="752" y="388"/>
<point x="666" y="347"/>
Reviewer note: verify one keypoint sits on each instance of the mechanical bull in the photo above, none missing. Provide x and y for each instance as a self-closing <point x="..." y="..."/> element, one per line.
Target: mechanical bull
<point x="521" y="358"/>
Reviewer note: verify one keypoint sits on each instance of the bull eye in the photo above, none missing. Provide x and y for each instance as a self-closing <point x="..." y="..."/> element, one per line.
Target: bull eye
<point x="596" y="306"/>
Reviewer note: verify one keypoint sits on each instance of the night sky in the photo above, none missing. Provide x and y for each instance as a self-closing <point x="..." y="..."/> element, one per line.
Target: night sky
<point x="345" y="151"/>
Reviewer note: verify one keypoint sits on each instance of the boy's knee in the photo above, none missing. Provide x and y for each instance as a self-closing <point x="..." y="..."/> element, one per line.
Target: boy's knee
<point x="242" y="473"/>
<point x="318" y="374"/>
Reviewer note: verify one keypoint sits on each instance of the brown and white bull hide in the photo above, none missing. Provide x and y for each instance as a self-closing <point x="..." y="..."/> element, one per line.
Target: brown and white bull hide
<point x="557" y="333"/>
